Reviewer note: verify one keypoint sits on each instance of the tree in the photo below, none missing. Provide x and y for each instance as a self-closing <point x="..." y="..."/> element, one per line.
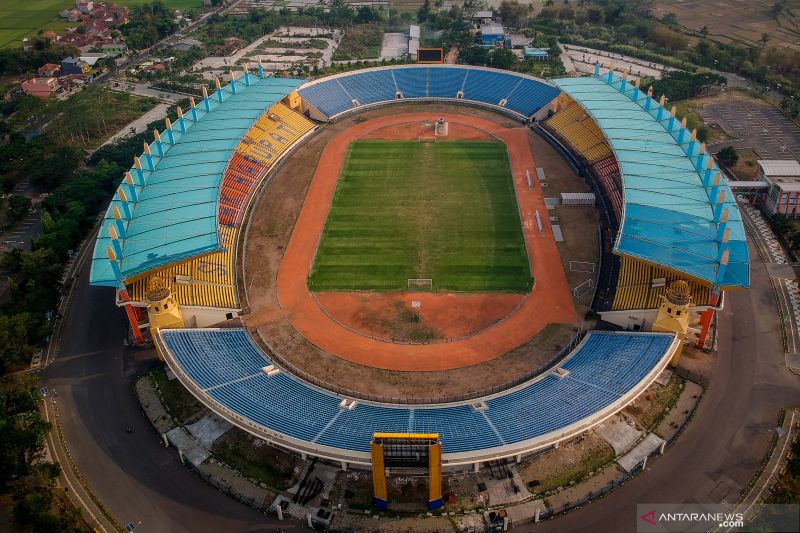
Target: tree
<point x="22" y="431"/>
<point x="424" y="11"/>
<point x="18" y="207"/>
<point x="474" y="55"/>
<point x="513" y="13"/>
<point x="727" y="157"/>
<point x="670" y="19"/>
<point x="668" y="39"/>
<point x="777" y="8"/>
<point x="15" y="337"/>
<point x="503" y="58"/>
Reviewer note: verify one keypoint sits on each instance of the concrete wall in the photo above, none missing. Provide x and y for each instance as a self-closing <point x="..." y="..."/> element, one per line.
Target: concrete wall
<point x="203" y="317"/>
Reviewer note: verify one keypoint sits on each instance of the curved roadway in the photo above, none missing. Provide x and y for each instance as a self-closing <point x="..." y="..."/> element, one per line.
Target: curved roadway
<point x="139" y="480"/>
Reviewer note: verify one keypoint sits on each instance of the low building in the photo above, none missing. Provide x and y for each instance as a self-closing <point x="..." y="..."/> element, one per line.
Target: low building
<point x="493" y="35"/>
<point x="413" y="39"/>
<point x="114" y="49"/>
<point x="50" y="70"/>
<point x="41" y="87"/>
<point x="783" y="180"/>
<point x="184" y="45"/>
<point x="539" y="54"/>
<point x="74" y="65"/>
<point x="483" y="17"/>
<point x="84" y="6"/>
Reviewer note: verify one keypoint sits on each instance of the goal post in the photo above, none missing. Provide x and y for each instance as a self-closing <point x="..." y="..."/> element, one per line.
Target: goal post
<point x="420" y="284"/>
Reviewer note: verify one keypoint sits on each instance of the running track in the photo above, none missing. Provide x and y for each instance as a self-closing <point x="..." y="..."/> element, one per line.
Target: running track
<point x="549" y="302"/>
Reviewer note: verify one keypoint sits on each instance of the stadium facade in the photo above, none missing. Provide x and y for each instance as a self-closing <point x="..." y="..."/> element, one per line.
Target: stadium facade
<point x="172" y="238"/>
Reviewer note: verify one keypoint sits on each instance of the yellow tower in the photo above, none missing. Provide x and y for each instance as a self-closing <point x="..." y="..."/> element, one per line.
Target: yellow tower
<point x="162" y="310"/>
<point x="673" y="313"/>
<point x="293" y="101"/>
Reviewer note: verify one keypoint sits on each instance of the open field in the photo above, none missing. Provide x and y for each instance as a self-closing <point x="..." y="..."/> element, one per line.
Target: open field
<point x="25" y="19"/>
<point x="86" y="118"/>
<point x="360" y="42"/>
<point x="408" y="209"/>
<point x="738" y="21"/>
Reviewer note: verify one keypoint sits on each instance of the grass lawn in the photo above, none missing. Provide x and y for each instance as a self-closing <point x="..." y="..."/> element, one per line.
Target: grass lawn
<point x="85" y="118"/>
<point x="256" y="459"/>
<point x="20" y="19"/>
<point x="407" y="209"/>
<point x="360" y="42"/>
<point x="181" y="404"/>
<point x="746" y="167"/>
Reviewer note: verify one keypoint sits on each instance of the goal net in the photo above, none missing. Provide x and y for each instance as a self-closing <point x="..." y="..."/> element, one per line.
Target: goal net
<point x="420" y="284"/>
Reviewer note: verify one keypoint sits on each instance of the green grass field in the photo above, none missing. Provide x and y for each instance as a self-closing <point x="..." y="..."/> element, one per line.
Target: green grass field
<point x="406" y="209"/>
<point x="20" y="19"/>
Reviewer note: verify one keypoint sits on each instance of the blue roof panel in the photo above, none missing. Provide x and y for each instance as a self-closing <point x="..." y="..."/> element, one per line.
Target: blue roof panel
<point x="175" y="215"/>
<point x="668" y="217"/>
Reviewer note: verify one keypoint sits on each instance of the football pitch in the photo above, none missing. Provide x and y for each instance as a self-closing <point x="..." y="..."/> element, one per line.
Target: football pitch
<point x="444" y="211"/>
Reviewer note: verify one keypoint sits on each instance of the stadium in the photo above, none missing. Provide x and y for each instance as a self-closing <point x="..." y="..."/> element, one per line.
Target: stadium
<point x="268" y="296"/>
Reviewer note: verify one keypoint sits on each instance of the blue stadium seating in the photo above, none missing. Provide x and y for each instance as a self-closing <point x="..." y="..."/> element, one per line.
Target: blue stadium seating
<point x="227" y="364"/>
<point x="329" y="97"/>
<point x="369" y="88"/>
<point x="333" y="96"/>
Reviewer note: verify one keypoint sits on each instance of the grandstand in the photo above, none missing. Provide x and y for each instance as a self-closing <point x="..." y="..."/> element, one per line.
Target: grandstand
<point x="179" y="213"/>
<point x="208" y="281"/>
<point x="514" y="94"/>
<point x="225" y="370"/>
<point x="675" y="215"/>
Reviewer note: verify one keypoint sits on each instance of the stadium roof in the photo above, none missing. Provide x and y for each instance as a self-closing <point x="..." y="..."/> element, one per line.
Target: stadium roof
<point x="668" y="217"/>
<point x="171" y="212"/>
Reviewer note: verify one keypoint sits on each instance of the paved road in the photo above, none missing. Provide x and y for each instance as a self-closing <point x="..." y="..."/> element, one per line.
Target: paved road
<point x="136" y="478"/>
<point x="140" y="124"/>
<point x="729" y="436"/>
<point x="23" y="232"/>
<point x="139" y="480"/>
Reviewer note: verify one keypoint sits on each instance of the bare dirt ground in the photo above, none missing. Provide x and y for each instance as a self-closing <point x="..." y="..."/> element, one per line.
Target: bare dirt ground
<point x="738" y="21"/>
<point x="578" y="223"/>
<point x="566" y="465"/>
<point x="271" y="228"/>
<point x="413" y="130"/>
<point x="439" y="318"/>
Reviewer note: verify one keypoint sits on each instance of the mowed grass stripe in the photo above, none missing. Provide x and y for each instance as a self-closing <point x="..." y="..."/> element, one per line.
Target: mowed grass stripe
<point x="405" y="209"/>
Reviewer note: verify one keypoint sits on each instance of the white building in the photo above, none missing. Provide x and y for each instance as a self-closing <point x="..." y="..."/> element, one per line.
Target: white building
<point x="783" y="180"/>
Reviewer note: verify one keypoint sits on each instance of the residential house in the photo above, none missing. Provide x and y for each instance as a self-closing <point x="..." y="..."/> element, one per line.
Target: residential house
<point x="50" y="70"/>
<point x="73" y="65"/>
<point x="41" y="87"/>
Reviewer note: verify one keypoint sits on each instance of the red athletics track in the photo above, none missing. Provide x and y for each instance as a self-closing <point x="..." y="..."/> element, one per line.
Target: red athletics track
<point x="549" y="302"/>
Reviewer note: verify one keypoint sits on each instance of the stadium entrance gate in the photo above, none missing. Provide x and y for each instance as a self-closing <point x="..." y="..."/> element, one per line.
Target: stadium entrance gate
<point x="408" y="453"/>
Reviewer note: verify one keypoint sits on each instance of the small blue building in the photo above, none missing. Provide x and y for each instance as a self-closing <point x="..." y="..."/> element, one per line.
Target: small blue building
<point x="493" y="35"/>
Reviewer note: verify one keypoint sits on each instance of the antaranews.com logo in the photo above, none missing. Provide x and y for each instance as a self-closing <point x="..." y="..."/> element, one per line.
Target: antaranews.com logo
<point x="711" y="517"/>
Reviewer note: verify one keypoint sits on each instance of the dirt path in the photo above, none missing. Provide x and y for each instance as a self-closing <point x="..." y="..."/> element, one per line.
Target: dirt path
<point x="550" y="301"/>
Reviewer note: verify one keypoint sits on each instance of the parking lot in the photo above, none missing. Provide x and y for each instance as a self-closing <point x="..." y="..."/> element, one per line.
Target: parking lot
<point x="23" y="232"/>
<point x="756" y="126"/>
